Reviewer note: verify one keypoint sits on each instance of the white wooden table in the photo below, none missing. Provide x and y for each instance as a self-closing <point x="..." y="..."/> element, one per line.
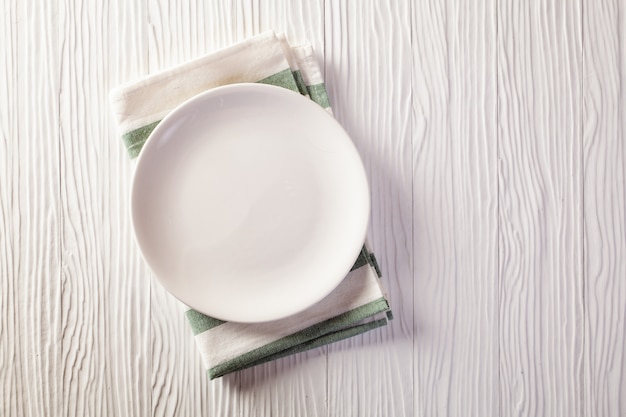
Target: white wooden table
<point x="493" y="133"/>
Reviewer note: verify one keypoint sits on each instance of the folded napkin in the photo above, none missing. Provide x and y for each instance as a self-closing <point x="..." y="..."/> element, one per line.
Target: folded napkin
<point x="357" y="305"/>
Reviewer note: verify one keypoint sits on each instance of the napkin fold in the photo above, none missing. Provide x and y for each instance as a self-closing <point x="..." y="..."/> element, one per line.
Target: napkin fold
<point x="357" y="305"/>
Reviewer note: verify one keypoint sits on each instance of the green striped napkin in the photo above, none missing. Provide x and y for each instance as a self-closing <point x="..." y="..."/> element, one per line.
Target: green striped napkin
<point x="357" y="305"/>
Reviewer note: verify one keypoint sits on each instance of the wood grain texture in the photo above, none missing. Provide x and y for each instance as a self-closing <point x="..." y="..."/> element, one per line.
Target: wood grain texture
<point x="604" y="150"/>
<point x="455" y="202"/>
<point x="30" y="321"/>
<point x="493" y="137"/>
<point x="105" y="288"/>
<point x="368" y="75"/>
<point x="541" y="303"/>
<point x="287" y="387"/>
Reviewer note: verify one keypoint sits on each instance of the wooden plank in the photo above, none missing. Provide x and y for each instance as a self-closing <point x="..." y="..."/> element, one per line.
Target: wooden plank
<point x="289" y="386"/>
<point x="541" y="299"/>
<point x="455" y="208"/>
<point x="106" y="291"/>
<point x="368" y="74"/>
<point x="30" y="219"/>
<point x="604" y="133"/>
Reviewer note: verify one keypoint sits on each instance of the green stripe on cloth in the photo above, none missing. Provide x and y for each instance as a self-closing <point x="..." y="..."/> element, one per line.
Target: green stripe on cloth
<point x="318" y="94"/>
<point x="374" y="263"/>
<point x="135" y="139"/>
<point x="297" y="75"/>
<point x="366" y="257"/>
<point x="361" y="260"/>
<point x="200" y="323"/>
<point x="333" y="337"/>
<point x="281" y="79"/>
<point x="309" y="334"/>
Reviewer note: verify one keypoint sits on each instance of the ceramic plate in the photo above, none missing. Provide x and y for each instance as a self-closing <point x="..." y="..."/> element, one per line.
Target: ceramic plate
<point x="249" y="203"/>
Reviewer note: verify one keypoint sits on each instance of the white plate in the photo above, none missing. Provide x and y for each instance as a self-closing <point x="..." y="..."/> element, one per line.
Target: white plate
<point x="249" y="203"/>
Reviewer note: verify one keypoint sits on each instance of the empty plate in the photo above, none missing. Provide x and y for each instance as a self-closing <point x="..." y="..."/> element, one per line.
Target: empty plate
<point x="249" y="203"/>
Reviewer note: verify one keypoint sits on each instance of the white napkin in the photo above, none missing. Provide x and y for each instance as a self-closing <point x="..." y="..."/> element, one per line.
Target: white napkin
<point x="357" y="305"/>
